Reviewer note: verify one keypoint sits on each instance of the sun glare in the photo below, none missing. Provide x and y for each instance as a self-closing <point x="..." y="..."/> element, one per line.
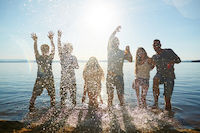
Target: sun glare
<point x="99" y="15"/>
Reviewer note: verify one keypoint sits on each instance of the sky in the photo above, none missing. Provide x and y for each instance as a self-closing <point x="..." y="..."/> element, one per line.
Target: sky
<point x="87" y="24"/>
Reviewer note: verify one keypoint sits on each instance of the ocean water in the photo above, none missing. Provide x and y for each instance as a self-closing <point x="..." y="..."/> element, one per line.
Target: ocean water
<point x="17" y="80"/>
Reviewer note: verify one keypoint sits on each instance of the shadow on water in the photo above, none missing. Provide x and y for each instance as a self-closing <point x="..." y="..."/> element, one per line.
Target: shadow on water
<point x="52" y="120"/>
<point x="114" y="124"/>
<point x="91" y="122"/>
<point x="129" y="127"/>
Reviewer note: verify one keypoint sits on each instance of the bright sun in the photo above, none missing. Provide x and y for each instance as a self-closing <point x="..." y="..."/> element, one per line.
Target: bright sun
<point x="99" y="15"/>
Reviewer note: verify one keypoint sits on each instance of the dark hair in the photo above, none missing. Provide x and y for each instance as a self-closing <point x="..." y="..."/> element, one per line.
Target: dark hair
<point x="44" y="48"/>
<point x="156" y="40"/>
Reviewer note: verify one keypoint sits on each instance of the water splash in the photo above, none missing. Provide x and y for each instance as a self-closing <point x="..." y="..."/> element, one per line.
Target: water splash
<point x="101" y="119"/>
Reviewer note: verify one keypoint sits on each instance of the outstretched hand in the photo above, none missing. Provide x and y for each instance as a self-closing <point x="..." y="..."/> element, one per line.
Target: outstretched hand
<point x="50" y="35"/>
<point x="127" y="48"/>
<point x="118" y="28"/>
<point x="59" y="33"/>
<point x="34" y="36"/>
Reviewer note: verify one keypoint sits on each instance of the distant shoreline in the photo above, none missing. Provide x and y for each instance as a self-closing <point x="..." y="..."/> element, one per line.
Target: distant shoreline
<point x="196" y="61"/>
<point x="57" y="61"/>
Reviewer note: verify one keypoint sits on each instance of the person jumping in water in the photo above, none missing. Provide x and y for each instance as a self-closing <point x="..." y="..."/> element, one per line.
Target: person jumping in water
<point x="93" y="75"/>
<point x="116" y="59"/>
<point x="44" y="74"/>
<point x="164" y="60"/>
<point x="143" y="66"/>
<point x="68" y="64"/>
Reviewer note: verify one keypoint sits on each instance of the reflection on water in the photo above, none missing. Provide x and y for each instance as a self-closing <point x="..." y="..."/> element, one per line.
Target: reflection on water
<point x="16" y="85"/>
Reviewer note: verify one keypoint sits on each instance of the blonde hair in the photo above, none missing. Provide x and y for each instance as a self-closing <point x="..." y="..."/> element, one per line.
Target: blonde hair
<point x="138" y="59"/>
<point x="93" y="69"/>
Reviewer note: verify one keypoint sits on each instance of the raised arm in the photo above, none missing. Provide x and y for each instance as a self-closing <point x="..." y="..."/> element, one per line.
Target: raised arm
<point x="50" y="35"/>
<point x="113" y="35"/>
<point x="127" y="54"/>
<point x="59" y="43"/>
<point x="34" y="37"/>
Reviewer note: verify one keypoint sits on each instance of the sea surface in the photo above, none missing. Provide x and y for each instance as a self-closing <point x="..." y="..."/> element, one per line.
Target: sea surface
<point x="17" y="80"/>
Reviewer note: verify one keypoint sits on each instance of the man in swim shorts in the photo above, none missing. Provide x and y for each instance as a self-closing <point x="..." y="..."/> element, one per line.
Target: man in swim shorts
<point x="164" y="60"/>
<point x="116" y="59"/>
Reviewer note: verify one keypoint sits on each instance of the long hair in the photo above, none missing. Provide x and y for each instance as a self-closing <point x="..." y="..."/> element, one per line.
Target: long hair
<point x="93" y="69"/>
<point x="138" y="58"/>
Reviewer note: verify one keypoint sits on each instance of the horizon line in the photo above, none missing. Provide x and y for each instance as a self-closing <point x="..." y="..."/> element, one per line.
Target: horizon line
<point x="25" y="60"/>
